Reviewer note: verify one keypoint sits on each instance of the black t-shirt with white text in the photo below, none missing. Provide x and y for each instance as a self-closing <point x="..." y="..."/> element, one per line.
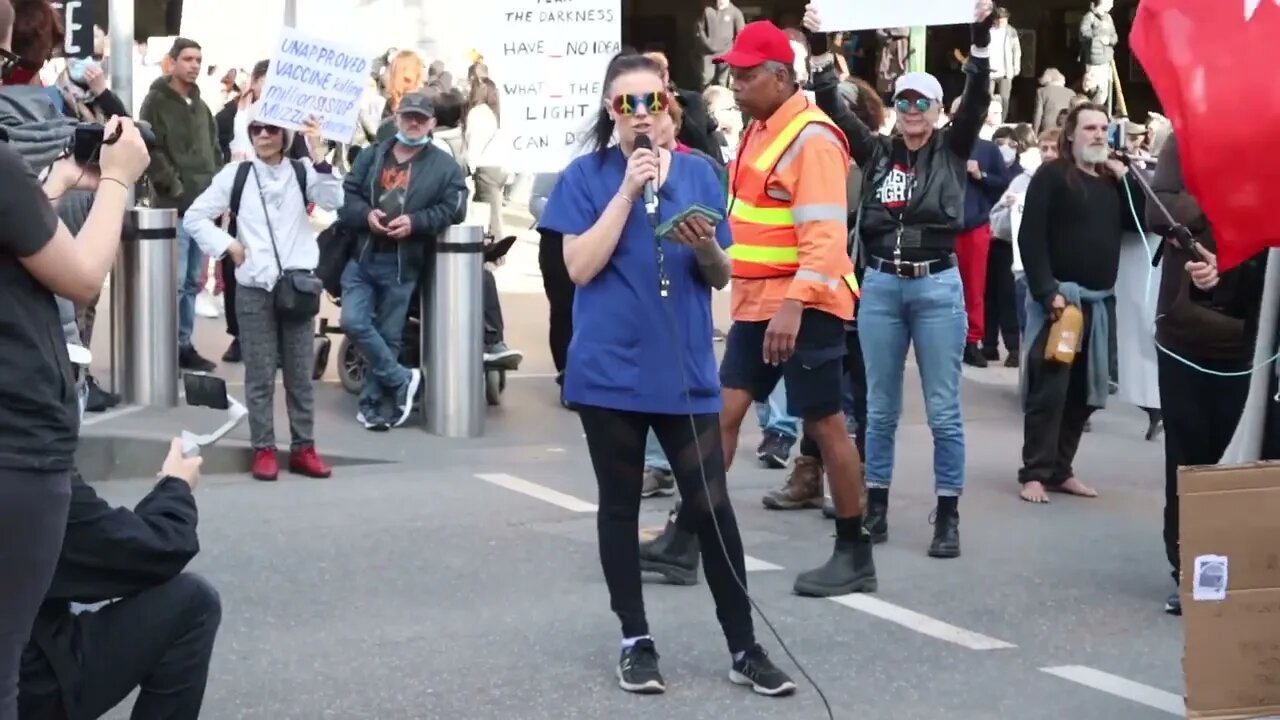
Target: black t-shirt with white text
<point x="894" y="192"/>
<point x="39" y="411"/>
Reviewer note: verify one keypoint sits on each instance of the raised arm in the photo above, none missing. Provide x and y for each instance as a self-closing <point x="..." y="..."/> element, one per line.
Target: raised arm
<point x="826" y="90"/>
<point x="976" y="98"/>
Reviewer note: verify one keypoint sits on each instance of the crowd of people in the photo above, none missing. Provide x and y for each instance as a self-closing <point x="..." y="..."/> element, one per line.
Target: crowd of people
<point x="848" y="230"/>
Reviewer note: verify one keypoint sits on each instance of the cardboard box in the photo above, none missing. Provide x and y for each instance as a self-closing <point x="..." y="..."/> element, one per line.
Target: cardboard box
<point x="1230" y="588"/>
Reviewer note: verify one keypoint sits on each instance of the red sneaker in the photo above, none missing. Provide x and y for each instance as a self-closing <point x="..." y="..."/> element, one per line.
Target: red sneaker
<point x="265" y="465"/>
<point x="305" y="461"/>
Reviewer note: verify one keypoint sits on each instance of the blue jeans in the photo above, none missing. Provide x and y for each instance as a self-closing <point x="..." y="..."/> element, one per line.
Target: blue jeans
<point x="1020" y="294"/>
<point x="927" y="313"/>
<point x="189" y="259"/>
<point x="653" y="455"/>
<point x="375" y="304"/>
<point x="773" y="414"/>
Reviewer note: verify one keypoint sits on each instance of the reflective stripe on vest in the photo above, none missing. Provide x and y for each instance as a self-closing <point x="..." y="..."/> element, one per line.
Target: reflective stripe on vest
<point x="765" y="239"/>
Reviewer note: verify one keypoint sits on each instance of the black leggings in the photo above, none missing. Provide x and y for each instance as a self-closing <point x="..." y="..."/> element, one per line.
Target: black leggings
<point x="560" y="291"/>
<point x="615" y="439"/>
<point x="33" y="519"/>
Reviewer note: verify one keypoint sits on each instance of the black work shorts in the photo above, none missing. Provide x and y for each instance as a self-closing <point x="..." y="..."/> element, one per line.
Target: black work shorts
<point x="813" y="374"/>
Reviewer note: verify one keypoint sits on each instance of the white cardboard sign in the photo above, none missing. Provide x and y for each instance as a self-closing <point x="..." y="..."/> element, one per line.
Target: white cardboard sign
<point x="845" y="15"/>
<point x="549" y="60"/>
<point x="314" y="77"/>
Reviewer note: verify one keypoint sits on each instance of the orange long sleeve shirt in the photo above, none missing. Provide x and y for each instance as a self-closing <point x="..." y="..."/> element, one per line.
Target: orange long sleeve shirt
<point x="813" y="174"/>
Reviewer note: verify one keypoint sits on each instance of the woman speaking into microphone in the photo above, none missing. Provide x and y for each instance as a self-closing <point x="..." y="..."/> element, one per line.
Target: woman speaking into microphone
<point x="641" y="358"/>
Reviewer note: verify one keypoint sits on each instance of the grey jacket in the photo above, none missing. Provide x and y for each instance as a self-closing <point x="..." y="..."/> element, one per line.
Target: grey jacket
<point x="1098" y="38"/>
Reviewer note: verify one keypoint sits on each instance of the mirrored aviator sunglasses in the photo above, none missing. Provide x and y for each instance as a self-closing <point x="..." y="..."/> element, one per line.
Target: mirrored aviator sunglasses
<point x="904" y="105"/>
<point x="630" y="103"/>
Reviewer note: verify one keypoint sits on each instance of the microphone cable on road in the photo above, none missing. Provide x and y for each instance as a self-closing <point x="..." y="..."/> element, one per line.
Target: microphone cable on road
<point x="681" y="356"/>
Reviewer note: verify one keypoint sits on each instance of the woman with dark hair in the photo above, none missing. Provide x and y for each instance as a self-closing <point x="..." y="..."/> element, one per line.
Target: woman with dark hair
<point x="641" y="358"/>
<point x="484" y="146"/>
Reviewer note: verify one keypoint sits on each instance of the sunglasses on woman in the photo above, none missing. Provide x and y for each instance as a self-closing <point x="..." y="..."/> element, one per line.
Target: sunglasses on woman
<point x="904" y="105"/>
<point x="653" y="102"/>
<point x="257" y="129"/>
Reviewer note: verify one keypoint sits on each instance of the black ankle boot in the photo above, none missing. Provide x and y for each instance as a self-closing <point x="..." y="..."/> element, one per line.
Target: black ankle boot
<point x="674" y="555"/>
<point x="946" y="534"/>
<point x="876" y="521"/>
<point x="850" y="570"/>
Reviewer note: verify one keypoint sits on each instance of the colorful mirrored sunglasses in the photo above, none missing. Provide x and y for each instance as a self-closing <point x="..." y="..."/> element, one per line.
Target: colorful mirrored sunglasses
<point x="904" y="105"/>
<point x="630" y="103"/>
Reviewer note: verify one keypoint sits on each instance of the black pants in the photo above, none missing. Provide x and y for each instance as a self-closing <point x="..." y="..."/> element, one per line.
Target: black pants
<point x="1001" y="313"/>
<point x="1200" y="416"/>
<point x="227" y="267"/>
<point x="493" y="325"/>
<point x="1057" y="409"/>
<point x="33" y="519"/>
<point x="615" y="440"/>
<point x="559" y="289"/>
<point x="856" y="372"/>
<point x="159" y="641"/>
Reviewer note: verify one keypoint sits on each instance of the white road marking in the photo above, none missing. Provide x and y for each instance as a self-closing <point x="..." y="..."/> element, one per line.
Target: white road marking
<point x="538" y="492"/>
<point x="555" y="450"/>
<point x="531" y="376"/>
<point x="1121" y="688"/>
<point x="754" y="564"/>
<point x="94" y="419"/>
<point x="922" y="624"/>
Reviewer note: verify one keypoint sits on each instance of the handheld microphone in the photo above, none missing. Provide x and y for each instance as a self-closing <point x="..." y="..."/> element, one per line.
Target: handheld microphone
<point x="650" y="193"/>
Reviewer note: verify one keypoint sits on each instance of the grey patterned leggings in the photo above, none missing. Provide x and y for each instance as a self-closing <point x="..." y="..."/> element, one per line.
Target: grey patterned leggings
<point x="264" y="338"/>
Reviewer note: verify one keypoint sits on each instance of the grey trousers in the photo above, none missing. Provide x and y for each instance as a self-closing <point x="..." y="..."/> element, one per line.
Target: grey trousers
<point x="264" y="339"/>
<point x="489" y="185"/>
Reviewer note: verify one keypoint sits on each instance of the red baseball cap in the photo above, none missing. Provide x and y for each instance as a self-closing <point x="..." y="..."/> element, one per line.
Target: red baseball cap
<point x="759" y="42"/>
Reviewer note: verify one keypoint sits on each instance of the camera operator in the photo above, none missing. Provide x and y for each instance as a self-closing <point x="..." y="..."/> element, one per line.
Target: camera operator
<point x="1207" y="318"/>
<point x="157" y="635"/>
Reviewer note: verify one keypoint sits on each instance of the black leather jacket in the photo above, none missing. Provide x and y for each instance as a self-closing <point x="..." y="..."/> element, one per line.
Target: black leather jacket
<point x="935" y="212"/>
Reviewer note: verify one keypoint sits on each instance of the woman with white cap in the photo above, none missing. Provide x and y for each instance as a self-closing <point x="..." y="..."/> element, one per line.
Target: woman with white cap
<point x="909" y="218"/>
<point x="274" y="247"/>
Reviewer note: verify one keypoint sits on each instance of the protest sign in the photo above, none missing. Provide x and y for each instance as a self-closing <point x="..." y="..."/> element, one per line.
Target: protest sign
<point x="313" y="77"/>
<point x="846" y="15"/>
<point x="77" y="24"/>
<point x="549" y="62"/>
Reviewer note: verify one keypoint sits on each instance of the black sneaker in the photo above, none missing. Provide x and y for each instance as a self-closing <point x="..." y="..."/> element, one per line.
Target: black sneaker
<point x="757" y="671"/>
<point x="189" y="359"/>
<point x="233" y="355"/>
<point x="99" y="400"/>
<point x="638" y="669"/>
<point x="973" y="356"/>
<point x="774" y="450"/>
<point x="1173" y="606"/>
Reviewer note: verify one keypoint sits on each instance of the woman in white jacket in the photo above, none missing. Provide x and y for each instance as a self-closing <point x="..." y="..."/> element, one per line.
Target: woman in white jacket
<point x="272" y="233"/>
<point x="484" y="150"/>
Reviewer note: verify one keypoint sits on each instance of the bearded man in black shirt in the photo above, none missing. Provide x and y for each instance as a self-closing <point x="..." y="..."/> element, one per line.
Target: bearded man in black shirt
<point x="1070" y="244"/>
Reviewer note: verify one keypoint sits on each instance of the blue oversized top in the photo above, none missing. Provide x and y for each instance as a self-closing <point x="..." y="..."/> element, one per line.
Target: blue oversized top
<point x="629" y="343"/>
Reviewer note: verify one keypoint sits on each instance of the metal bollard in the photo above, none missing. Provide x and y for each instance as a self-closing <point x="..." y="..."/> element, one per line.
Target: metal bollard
<point x="144" y="310"/>
<point x="453" y="335"/>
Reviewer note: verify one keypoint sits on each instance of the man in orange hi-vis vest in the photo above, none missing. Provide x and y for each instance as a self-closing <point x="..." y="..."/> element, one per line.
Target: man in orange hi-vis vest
<point x="793" y="283"/>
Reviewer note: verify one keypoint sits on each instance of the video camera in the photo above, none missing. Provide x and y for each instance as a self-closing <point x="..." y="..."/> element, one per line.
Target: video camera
<point x="86" y="142"/>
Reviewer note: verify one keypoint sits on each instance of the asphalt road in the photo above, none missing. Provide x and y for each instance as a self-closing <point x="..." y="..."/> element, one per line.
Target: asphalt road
<point x="446" y="579"/>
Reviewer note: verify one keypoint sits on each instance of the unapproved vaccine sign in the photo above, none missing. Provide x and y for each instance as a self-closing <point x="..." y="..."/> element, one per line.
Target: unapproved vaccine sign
<point x="549" y="58"/>
<point x="313" y="77"/>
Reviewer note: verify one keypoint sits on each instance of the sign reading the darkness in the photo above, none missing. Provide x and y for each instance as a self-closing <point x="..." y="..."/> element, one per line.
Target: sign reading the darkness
<point x="77" y="24"/>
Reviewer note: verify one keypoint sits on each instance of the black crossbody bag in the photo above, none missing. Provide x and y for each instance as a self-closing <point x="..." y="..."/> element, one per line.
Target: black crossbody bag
<point x="297" y="292"/>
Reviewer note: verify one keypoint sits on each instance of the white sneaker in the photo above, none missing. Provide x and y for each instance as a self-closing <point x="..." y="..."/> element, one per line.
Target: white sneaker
<point x="207" y="306"/>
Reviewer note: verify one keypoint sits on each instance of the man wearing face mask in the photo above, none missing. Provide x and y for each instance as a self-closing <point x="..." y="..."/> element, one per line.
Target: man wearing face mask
<point x="912" y="294"/>
<point x="400" y="195"/>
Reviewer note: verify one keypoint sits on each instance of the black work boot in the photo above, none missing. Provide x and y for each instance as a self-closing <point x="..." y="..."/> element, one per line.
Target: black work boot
<point x="673" y="555"/>
<point x="850" y="570"/>
<point x="946" y="534"/>
<point x="876" y="521"/>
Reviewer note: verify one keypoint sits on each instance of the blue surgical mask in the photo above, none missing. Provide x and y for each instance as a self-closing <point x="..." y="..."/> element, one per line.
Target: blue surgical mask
<point x="76" y="68"/>
<point x="405" y="140"/>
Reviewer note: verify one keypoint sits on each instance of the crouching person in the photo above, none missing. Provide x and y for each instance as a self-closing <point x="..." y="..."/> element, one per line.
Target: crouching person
<point x="272" y="243"/>
<point x="155" y="637"/>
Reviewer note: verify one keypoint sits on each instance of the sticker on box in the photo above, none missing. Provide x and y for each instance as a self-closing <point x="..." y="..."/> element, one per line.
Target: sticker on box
<point x="1210" y="579"/>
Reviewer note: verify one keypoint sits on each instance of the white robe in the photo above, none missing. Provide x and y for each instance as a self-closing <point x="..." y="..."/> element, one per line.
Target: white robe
<point x="1137" y="286"/>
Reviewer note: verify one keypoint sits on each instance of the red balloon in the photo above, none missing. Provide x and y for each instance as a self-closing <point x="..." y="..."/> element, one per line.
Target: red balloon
<point x="1215" y="65"/>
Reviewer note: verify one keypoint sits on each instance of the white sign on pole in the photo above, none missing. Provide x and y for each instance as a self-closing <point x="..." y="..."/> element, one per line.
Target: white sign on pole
<point x="313" y="77"/>
<point x="845" y="15"/>
<point x="549" y="62"/>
